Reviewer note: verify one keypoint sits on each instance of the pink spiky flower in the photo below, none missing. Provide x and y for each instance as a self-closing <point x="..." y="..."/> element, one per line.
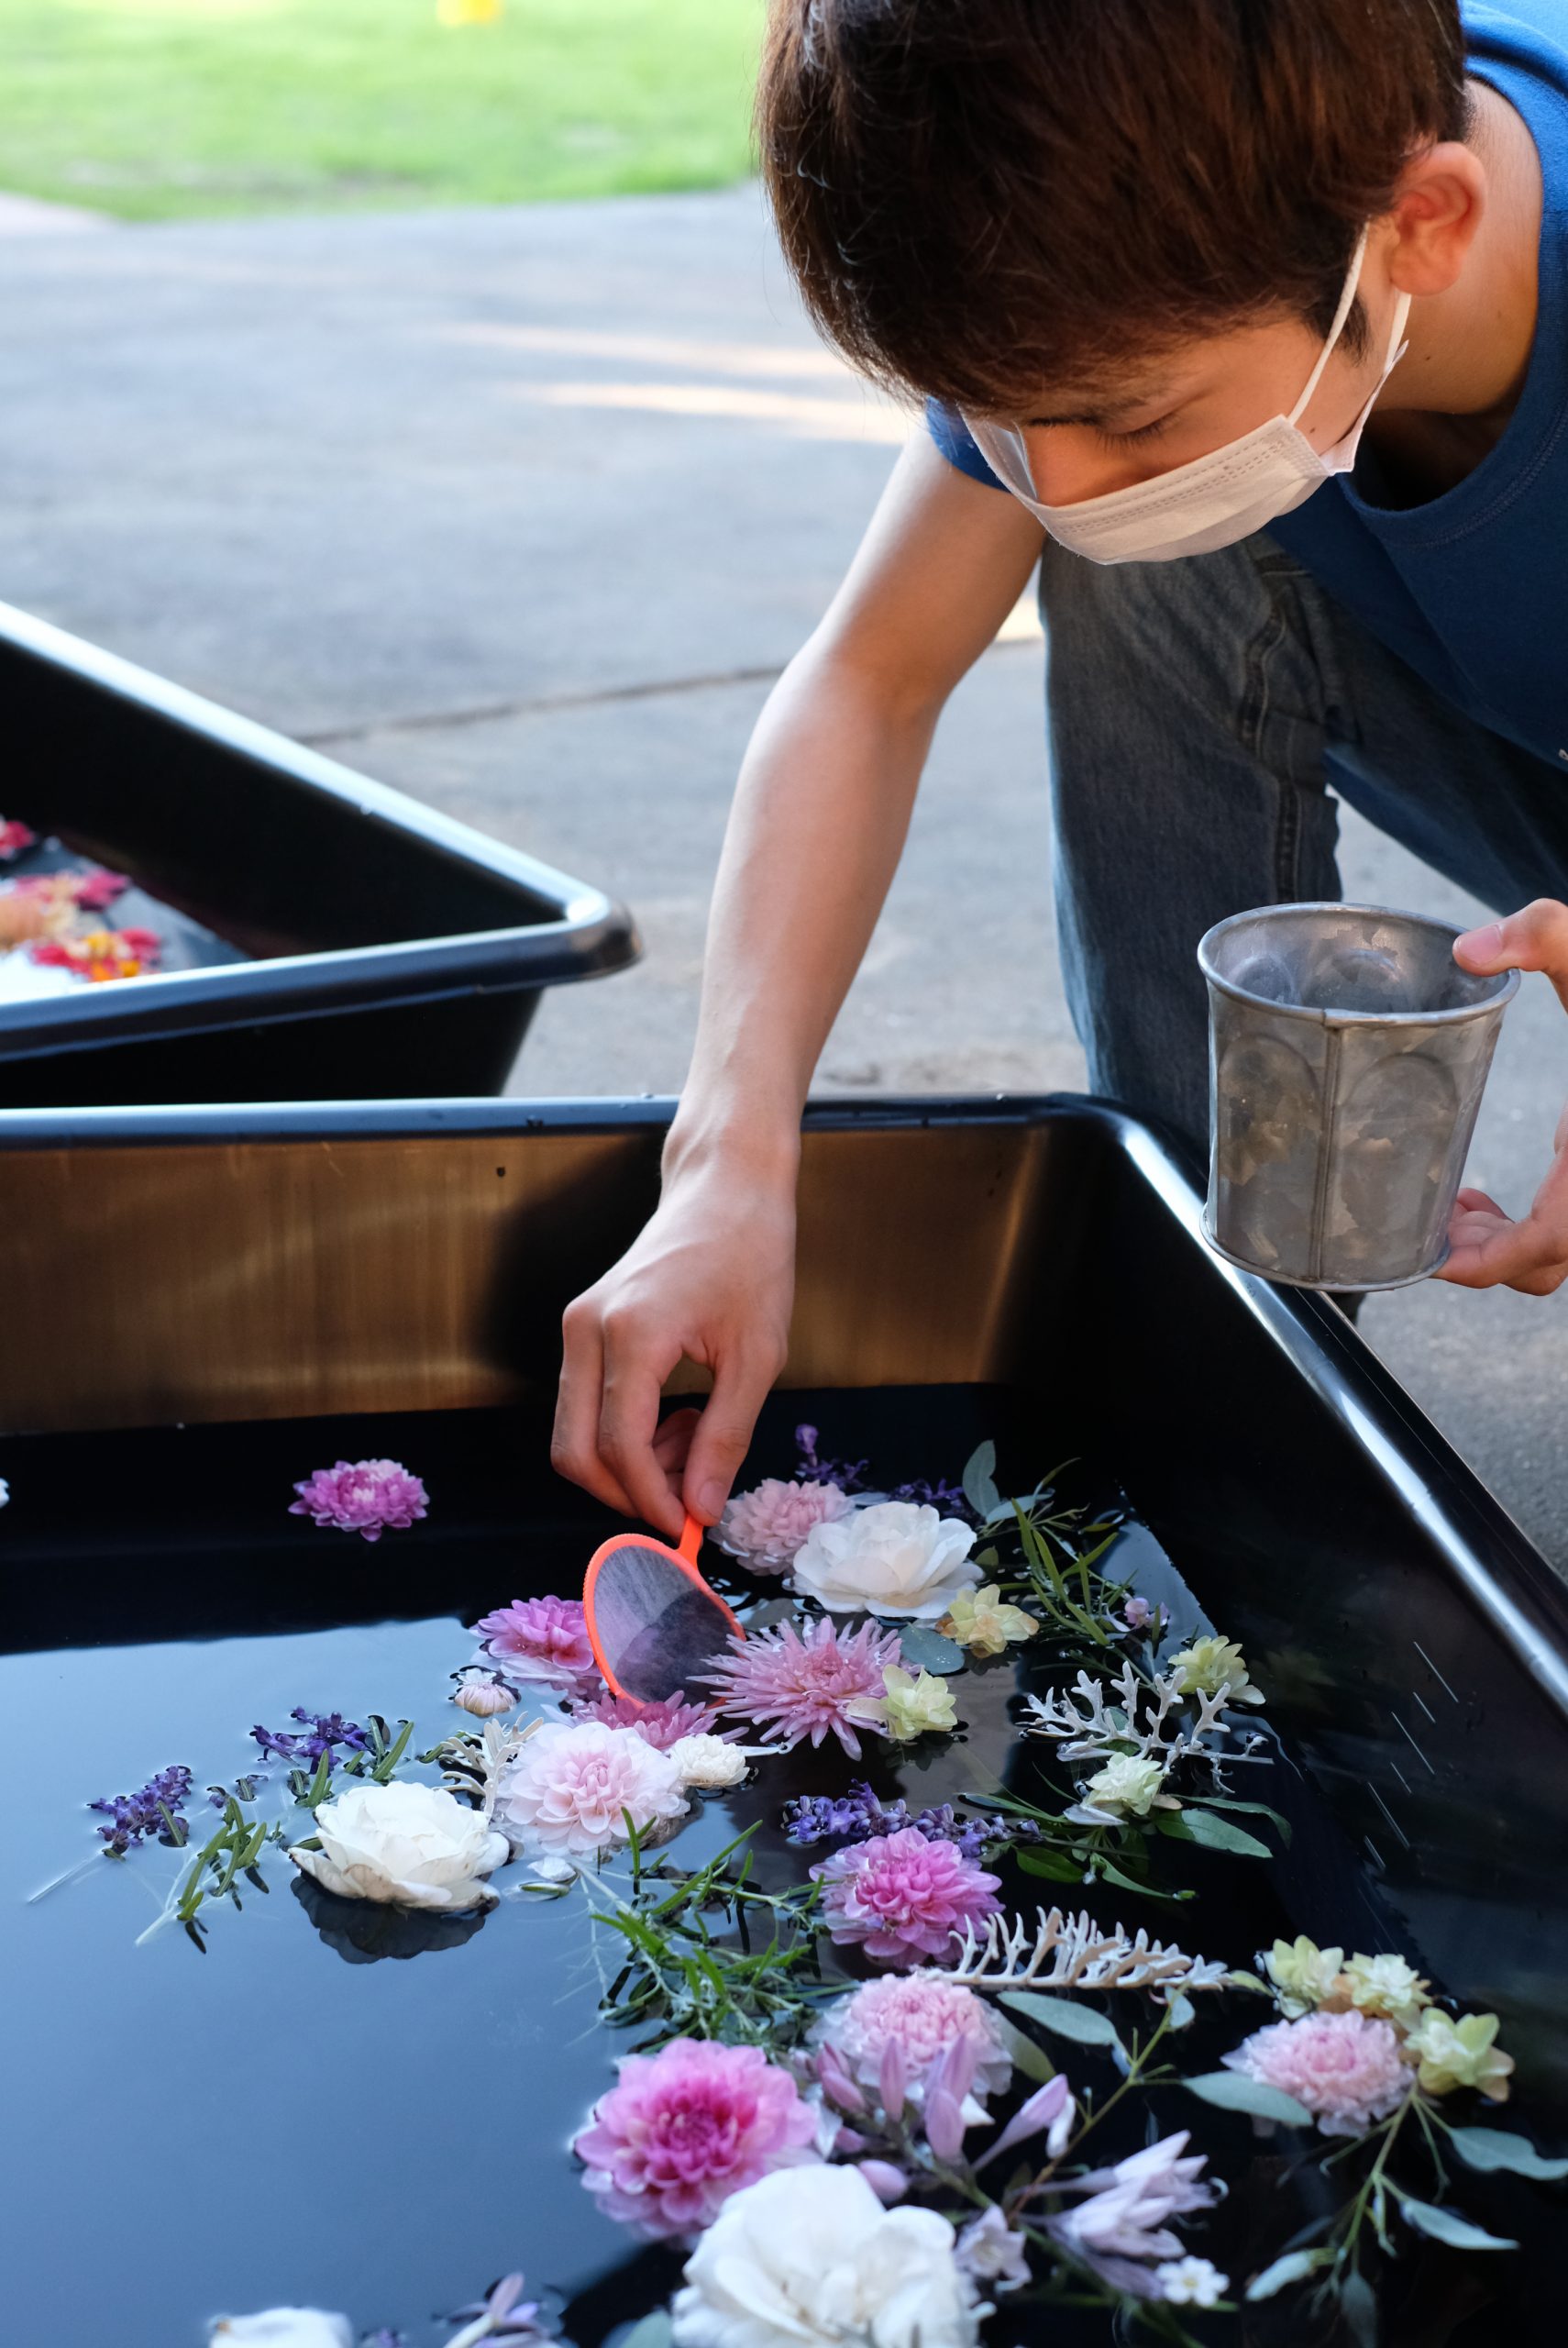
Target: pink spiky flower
<point x="797" y="1687"/>
<point x="903" y="1896"/>
<point x="543" y="1640"/>
<point x="688" y="2127"/>
<point x="364" y="1496"/>
<point x="660" y="1725"/>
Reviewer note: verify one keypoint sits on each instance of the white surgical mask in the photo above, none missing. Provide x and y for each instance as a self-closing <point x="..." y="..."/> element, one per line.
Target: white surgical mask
<point x="1215" y="500"/>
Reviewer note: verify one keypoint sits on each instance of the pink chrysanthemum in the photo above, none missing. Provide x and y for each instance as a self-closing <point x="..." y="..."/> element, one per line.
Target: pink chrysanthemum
<point x="920" y="2015"/>
<point x="685" y="2129"/>
<point x="764" y="1526"/>
<point x="902" y="1896"/>
<point x="797" y="1687"/>
<point x="363" y="1495"/>
<point x="543" y="1640"/>
<point x="576" y="1783"/>
<point x="660" y="1725"/>
<point x="1345" y="2067"/>
<point x="14" y="837"/>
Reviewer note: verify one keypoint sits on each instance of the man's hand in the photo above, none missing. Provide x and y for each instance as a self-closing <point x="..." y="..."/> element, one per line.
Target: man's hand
<point x="1486" y="1249"/>
<point x="709" y="1281"/>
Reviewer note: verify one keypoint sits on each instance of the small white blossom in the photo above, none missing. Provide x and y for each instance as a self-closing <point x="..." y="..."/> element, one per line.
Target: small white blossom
<point x="1190" y="2283"/>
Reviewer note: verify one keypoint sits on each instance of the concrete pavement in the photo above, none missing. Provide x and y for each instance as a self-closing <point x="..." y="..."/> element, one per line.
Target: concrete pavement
<point x="523" y="509"/>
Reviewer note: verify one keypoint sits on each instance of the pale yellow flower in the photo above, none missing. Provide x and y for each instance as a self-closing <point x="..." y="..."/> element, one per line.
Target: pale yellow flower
<point x="981" y="1621"/>
<point x="911" y="1706"/>
<point x="1460" y="2055"/>
<point x="1210" y="1663"/>
<point x="1303" y="1975"/>
<point x="1388" y="1987"/>
<point x="1129" y="1786"/>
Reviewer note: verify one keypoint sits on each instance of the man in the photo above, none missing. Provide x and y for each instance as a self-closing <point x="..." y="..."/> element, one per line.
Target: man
<point x="1278" y="287"/>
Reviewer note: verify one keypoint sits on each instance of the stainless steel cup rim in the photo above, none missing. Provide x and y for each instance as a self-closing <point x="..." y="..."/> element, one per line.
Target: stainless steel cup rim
<point x="1503" y="985"/>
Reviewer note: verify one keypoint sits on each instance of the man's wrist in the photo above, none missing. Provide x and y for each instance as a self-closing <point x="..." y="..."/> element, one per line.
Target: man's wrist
<point x="762" y="1149"/>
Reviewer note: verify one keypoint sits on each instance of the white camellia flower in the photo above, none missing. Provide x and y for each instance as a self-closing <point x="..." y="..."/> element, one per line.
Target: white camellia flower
<point x="896" y="1557"/>
<point x="809" y="2258"/>
<point x="282" y="2327"/>
<point x="412" y="1846"/>
<point x="710" y="1763"/>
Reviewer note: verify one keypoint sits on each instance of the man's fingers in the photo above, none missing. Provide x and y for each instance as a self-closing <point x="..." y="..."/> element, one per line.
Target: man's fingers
<point x="1488" y="1250"/>
<point x="574" y="1441"/>
<point x="1534" y="940"/>
<point x="635" y="1368"/>
<point x="724" y="1430"/>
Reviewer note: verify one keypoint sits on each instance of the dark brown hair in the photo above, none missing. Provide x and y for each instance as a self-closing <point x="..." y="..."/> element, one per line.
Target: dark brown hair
<point x="979" y="198"/>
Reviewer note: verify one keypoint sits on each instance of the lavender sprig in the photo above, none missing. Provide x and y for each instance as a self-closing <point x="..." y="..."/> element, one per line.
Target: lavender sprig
<point x="849" y="1475"/>
<point x="154" y="1809"/>
<point x="322" y="1732"/>
<point x="819" y="1818"/>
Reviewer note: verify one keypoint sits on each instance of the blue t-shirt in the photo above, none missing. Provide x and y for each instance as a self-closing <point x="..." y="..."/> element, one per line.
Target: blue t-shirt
<point x="1470" y="589"/>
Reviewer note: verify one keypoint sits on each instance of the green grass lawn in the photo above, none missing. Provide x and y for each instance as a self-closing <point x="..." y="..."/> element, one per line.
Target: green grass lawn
<point x="160" y="108"/>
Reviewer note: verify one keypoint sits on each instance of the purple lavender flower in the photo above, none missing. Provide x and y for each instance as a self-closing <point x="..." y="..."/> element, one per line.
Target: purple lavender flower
<point x="154" y="1809"/>
<point x="948" y="1499"/>
<point x="323" y="1734"/>
<point x="849" y="1475"/>
<point x="503" y="2314"/>
<point x="861" y="1812"/>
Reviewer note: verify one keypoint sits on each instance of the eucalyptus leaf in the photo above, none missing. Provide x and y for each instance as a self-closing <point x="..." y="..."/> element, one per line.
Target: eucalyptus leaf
<point x="1029" y="2056"/>
<point x="1183" y="2012"/>
<point x="1083" y="2025"/>
<point x="1288" y="2269"/>
<point x="926" y="1650"/>
<point x="1234" y="2092"/>
<point x="1195" y="1826"/>
<point x="1248" y="1981"/>
<point x="1446" y="2225"/>
<point x="1257" y="1809"/>
<point x="1358" y="2303"/>
<point x="1493" y="2148"/>
<point x="980" y="1479"/>
<point x="655" y="2330"/>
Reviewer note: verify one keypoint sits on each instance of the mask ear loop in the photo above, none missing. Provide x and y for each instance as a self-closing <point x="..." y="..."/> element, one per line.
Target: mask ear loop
<point x="1353" y="280"/>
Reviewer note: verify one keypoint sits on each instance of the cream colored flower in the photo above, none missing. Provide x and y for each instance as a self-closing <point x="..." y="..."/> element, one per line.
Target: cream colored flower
<point x="981" y="1621"/>
<point x="710" y="1763"/>
<point x="282" y="2327"/>
<point x="1303" y="1975"/>
<point x="1388" y="1986"/>
<point x="409" y="1845"/>
<point x="895" y="1558"/>
<point x="1459" y="2055"/>
<point x="1210" y="1663"/>
<point x="911" y="1707"/>
<point x="1127" y="1787"/>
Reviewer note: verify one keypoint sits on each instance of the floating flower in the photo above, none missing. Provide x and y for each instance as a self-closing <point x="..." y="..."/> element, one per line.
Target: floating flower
<point x="827" y="1682"/>
<point x="1386" y="1985"/>
<point x="920" y="2015"/>
<point x="407" y="1845"/>
<point x="903" y="1896"/>
<point x="1345" y="2067"/>
<point x="891" y="1558"/>
<point x="282" y="2327"/>
<point x="764" y="1526"/>
<point x="320" y="1733"/>
<point x="1459" y="2053"/>
<point x="823" y="1818"/>
<point x="151" y="1809"/>
<point x="505" y="2314"/>
<point x="542" y="1640"/>
<point x="663" y="1725"/>
<point x="1303" y="1975"/>
<point x="809" y="2258"/>
<point x="573" y="1786"/>
<point x="686" y="2128"/>
<point x="1127" y="1786"/>
<point x="15" y="837"/>
<point x="981" y="1621"/>
<point x="1190" y="2283"/>
<point x="1124" y="2213"/>
<point x="102" y="954"/>
<point x="479" y="1693"/>
<point x="993" y="2253"/>
<point x="908" y="1707"/>
<point x="708" y="1763"/>
<point x="1139" y="1615"/>
<point x="363" y="1495"/>
<point x="1210" y="1663"/>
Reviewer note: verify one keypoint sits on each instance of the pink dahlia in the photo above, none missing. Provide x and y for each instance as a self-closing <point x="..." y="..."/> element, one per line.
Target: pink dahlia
<point x="15" y="837"/>
<point x="902" y="1896"/>
<point x="798" y="1687"/>
<point x="1345" y="2067"/>
<point x="541" y="1639"/>
<point x="765" y="1527"/>
<point x="920" y="2015"/>
<point x="363" y="1495"/>
<point x="660" y="1725"/>
<point x="575" y="1784"/>
<point x="685" y="2129"/>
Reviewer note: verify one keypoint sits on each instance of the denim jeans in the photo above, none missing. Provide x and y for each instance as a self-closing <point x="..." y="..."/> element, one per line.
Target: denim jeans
<point x="1198" y="710"/>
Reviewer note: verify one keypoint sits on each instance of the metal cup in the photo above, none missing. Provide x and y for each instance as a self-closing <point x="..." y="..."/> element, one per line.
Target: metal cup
<point x="1348" y="1053"/>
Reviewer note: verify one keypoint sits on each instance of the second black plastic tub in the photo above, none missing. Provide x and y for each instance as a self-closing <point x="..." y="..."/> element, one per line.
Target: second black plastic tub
<point x="390" y="950"/>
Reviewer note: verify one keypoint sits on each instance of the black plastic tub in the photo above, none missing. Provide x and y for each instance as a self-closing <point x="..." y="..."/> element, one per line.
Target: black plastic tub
<point x="389" y="950"/>
<point x="205" y="1306"/>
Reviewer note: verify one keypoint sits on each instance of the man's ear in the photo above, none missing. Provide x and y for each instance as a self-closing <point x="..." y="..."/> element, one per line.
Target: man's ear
<point x="1436" y="209"/>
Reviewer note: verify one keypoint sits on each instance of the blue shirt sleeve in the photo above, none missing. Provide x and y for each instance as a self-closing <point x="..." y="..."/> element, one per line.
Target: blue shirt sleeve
<point x="951" y="434"/>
